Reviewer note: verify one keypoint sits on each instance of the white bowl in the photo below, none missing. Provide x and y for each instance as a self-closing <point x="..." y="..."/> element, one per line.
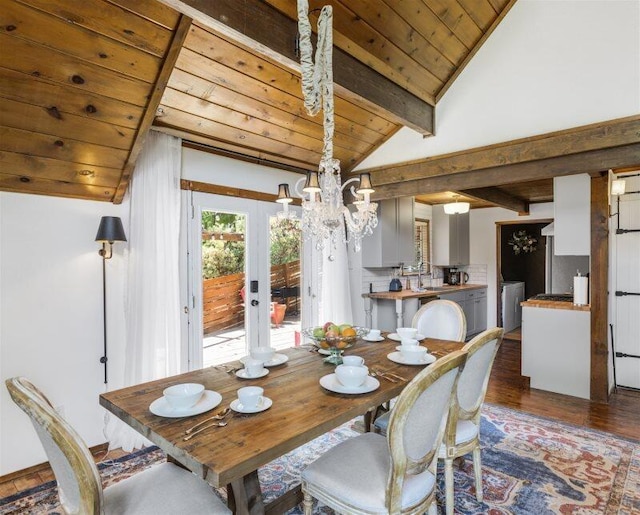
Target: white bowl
<point x="264" y="354"/>
<point x="413" y="353"/>
<point x="351" y="376"/>
<point x="183" y="396"/>
<point x="354" y="361"/>
<point x="406" y="332"/>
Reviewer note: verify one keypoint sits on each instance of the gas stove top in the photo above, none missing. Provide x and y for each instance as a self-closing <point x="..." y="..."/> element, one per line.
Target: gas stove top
<point x="561" y="297"/>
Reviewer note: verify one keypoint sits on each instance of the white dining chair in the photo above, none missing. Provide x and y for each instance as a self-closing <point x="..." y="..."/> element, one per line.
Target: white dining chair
<point x="397" y="474"/>
<point x="442" y="319"/>
<point x="161" y="489"/>
<point x="462" y="434"/>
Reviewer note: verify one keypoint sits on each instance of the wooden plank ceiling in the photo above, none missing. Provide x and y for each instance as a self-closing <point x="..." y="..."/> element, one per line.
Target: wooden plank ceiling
<point x="82" y="82"/>
<point x="76" y="79"/>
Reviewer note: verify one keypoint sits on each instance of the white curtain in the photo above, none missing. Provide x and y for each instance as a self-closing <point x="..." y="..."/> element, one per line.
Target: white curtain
<point x="335" y="294"/>
<point x="152" y="303"/>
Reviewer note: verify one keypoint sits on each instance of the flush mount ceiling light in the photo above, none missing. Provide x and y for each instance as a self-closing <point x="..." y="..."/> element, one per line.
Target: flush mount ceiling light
<point x="324" y="215"/>
<point x="455" y="207"/>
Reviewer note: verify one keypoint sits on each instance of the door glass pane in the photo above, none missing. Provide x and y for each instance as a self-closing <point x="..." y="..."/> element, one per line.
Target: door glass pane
<point x="223" y="286"/>
<point x="285" y="244"/>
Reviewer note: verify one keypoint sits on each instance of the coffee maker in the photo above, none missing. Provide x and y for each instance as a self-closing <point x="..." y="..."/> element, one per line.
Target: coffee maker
<point x="454" y="277"/>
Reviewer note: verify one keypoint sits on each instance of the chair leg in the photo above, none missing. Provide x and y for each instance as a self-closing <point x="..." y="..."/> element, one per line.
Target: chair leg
<point x="477" y="469"/>
<point x="448" y="485"/>
<point x="307" y="503"/>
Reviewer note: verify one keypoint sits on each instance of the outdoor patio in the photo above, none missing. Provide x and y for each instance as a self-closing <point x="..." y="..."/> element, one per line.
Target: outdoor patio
<point x="230" y="344"/>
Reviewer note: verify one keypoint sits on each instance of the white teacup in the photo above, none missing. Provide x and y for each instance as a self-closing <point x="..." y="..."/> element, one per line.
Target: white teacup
<point x="351" y="376"/>
<point x="253" y="367"/>
<point x="409" y="342"/>
<point x="374" y="334"/>
<point x="264" y="354"/>
<point x="353" y="361"/>
<point x="250" y="396"/>
<point x="183" y="396"/>
<point x="413" y="353"/>
<point x="406" y="332"/>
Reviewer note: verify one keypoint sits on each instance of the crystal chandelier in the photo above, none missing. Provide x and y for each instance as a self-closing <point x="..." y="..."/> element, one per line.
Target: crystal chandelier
<point x="324" y="215"/>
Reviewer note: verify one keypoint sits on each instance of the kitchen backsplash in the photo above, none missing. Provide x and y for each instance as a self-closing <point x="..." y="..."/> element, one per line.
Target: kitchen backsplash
<point x="379" y="278"/>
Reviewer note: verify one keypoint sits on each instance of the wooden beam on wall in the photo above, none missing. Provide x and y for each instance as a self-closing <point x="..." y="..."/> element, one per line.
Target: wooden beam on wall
<point x="229" y="191"/>
<point x="260" y="27"/>
<point x="540" y="151"/>
<point x="599" y="279"/>
<point x="499" y="198"/>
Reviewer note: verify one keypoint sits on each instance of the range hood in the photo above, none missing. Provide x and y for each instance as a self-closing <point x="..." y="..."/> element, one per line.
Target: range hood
<point x="547" y="230"/>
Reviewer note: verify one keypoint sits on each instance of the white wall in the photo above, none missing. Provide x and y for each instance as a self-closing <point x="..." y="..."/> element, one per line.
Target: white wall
<point x="549" y="65"/>
<point x="51" y="315"/>
<point x="482" y="226"/>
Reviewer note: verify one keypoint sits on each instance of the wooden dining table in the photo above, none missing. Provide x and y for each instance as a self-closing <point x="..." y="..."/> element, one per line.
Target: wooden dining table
<point x="302" y="410"/>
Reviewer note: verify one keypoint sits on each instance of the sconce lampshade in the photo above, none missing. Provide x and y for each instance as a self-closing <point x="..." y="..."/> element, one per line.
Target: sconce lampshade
<point x="312" y="184"/>
<point x="111" y="229"/>
<point x="365" y="184"/>
<point x="284" y="197"/>
<point x="618" y="187"/>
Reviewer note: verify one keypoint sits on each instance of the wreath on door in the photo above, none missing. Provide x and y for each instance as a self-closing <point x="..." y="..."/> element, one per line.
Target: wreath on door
<point x="522" y="243"/>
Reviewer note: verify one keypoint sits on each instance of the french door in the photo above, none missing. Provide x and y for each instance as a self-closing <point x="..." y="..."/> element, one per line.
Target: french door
<point x="230" y="242"/>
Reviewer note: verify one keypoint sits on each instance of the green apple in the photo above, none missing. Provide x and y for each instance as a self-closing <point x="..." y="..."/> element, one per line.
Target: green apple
<point x="318" y="332"/>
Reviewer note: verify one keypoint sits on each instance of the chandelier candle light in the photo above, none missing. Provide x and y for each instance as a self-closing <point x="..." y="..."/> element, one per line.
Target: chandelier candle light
<point x="324" y="215"/>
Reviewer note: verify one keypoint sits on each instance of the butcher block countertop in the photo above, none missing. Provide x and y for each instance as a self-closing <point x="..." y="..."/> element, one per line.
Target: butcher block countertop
<point x="554" y="304"/>
<point x="409" y="294"/>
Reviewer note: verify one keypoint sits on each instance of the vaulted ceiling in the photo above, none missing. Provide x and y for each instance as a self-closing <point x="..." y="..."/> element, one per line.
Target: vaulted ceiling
<point x="81" y="84"/>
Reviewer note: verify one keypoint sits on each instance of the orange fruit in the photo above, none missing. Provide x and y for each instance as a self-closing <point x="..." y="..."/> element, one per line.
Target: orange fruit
<point x="349" y="332"/>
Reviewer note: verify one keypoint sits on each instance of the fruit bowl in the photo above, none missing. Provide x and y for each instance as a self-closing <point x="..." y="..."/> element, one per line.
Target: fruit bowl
<point x="334" y="341"/>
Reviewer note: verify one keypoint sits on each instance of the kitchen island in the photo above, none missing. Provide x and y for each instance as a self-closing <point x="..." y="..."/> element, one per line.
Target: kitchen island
<point x="404" y="304"/>
<point x="556" y="346"/>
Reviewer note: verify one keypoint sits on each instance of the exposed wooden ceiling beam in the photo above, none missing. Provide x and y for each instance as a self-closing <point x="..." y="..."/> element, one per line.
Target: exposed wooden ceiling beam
<point x="583" y="162"/>
<point x="585" y="149"/>
<point x="259" y="26"/>
<point x="154" y="101"/>
<point x="499" y="198"/>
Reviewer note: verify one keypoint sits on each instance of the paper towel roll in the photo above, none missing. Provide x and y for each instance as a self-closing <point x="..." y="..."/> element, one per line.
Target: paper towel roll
<point x="580" y="290"/>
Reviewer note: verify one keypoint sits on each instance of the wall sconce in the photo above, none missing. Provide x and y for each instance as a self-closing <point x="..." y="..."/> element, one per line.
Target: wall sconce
<point x="109" y="231"/>
<point x="456" y="208"/>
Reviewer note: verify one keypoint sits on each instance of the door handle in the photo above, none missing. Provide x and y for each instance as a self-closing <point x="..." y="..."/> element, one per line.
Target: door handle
<point x="255" y="302"/>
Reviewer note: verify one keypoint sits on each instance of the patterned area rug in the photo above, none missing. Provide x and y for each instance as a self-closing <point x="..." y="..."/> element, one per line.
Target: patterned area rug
<point x="531" y="465"/>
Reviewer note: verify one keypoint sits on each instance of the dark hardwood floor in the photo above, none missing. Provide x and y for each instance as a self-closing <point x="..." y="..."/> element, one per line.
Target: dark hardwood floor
<point x="621" y="416"/>
<point x="506" y="388"/>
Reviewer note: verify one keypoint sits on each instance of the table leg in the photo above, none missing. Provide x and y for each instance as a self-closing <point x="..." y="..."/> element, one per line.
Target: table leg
<point x="247" y="496"/>
<point x="399" y="313"/>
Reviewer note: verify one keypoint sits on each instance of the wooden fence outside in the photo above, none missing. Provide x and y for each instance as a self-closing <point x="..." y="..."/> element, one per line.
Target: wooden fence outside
<point x="222" y="305"/>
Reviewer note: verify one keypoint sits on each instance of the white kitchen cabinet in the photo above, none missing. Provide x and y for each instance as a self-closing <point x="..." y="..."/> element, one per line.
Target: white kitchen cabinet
<point x="556" y="350"/>
<point x="450" y="238"/>
<point x="392" y="241"/>
<point x="572" y="215"/>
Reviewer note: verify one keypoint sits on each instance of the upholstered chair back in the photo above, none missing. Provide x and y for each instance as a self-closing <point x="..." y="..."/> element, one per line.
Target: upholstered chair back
<point x="78" y="479"/>
<point x="417" y="423"/>
<point x="442" y="319"/>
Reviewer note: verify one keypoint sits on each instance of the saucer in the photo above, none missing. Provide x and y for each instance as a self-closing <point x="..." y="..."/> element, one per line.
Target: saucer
<point x="208" y="401"/>
<point x="331" y="383"/>
<point x="396" y="357"/>
<point x="278" y="359"/>
<point x="378" y="339"/>
<point x="326" y="352"/>
<point x="242" y="374"/>
<point x="396" y="337"/>
<point x="399" y="347"/>
<point x="263" y="404"/>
